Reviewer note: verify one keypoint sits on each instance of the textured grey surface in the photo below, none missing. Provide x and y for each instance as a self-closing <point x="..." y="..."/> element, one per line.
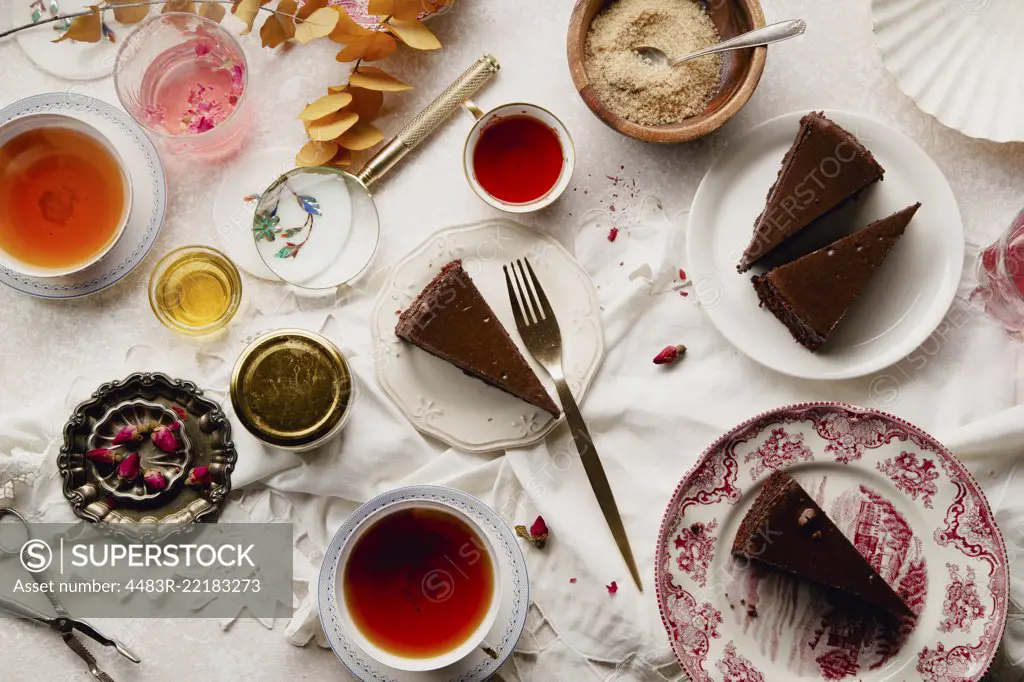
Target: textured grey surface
<point x="48" y="346"/>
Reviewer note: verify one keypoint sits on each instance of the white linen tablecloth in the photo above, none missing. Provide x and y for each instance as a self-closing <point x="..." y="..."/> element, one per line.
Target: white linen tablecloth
<point x="650" y="423"/>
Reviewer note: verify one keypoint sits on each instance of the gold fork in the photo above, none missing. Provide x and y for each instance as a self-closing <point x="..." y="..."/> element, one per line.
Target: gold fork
<point x="539" y="329"/>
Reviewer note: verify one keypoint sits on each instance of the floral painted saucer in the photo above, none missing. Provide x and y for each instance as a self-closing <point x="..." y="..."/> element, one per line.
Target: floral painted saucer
<point x="149" y="195"/>
<point x="503" y="636"/>
<point x="910" y="507"/>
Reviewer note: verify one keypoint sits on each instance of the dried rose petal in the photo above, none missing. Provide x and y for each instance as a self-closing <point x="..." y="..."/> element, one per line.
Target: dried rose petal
<point x="155" y="480"/>
<point x="180" y="411"/>
<point x="669" y="354"/>
<point x="103" y="456"/>
<point x="682" y="274"/>
<point x="164" y="438"/>
<point x="199" y="476"/>
<point x="572" y="580"/>
<point x="130" y="467"/>
<point x="202" y="49"/>
<point x="613" y="233"/>
<point x="129" y="434"/>
<point x="613" y="588"/>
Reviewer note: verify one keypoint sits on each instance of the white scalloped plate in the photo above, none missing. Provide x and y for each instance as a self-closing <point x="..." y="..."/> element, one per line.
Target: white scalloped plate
<point x="959" y="60"/>
<point x="442" y="401"/>
<point x="906" y="502"/>
<point x="504" y="634"/>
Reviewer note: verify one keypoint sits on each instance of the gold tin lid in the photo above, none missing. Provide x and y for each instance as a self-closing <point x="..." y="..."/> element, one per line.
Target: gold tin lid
<point x="291" y="388"/>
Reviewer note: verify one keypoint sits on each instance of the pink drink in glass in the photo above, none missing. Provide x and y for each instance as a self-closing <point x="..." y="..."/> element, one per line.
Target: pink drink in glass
<point x="1000" y="289"/>
<point x="184" y="79"/>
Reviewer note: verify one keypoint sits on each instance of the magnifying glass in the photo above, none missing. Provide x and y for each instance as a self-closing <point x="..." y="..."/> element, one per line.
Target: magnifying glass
<point x="317" y="228"/>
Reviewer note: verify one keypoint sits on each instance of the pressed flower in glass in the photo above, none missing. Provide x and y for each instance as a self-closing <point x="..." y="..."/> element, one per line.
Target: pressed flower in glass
<point x="1000" y="289"/>
<point x="184" y="79"/>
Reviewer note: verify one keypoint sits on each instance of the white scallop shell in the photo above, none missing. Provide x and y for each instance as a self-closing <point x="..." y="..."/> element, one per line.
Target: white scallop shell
<point x="960" y="60"/>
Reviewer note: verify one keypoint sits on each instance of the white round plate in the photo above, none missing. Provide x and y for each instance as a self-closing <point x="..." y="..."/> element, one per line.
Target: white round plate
<point x="959" y="60"/>
<point x="149" y="195"/>
<point x="515" y="593"/>
<point x="438" y="398"/>
<point x="908" y="504"/>
<point x="907" y="297"/>
<point x="234" y="204"/>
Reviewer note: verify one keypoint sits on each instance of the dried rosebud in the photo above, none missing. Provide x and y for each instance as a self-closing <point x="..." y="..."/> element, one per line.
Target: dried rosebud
<point x="130" y="467"/>
<point x="613" y="234"/>
<point x="103" y="456"/>
<point x="199" y="476"/>
<point x="539" y="528"/>
<point x="180" y="411"/>
<point x="669" y="354"/>
<point x="129" y="434"/>
<point x="164" y="438"/>
<point x="155" y="480"/>
<point x="613" y="588"/>
<point x="537" y="534"/>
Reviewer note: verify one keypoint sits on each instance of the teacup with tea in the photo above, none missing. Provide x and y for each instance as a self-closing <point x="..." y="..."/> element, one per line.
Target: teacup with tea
<point x="65" y="195"/>
<point x="518" y="157"/>
<point x="420" y="585"/>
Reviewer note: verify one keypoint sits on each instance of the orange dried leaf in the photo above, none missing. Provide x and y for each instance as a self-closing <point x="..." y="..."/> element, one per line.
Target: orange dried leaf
<point x="332" y="128"/>
<point x="328" y="104"/>
<point x="372" y="78"/>
<point x="360" y="136"/>
<point x="87" y="28"/>
<point x="365" y="102"/>
<point x="316" y="154"/>
<point x="211" y="10"/>
<point x="399" y="9"/>
<point x="342" y="159"/>
<point x="310" y="7"/>
<point x="337" y="88"/>
<point x="317" y="25"/>
<point x="247" y="11"/>
<point x="414" y="34"/>
<point x="185" y="6"/>
<point x="347" y="30"/>
<point x="279" y="27"/>
<point x="128" y="15"/>
<point x="370" y="48"/>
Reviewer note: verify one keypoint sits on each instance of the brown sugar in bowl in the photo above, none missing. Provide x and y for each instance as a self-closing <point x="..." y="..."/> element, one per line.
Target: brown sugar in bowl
<point x="741" y="71"/>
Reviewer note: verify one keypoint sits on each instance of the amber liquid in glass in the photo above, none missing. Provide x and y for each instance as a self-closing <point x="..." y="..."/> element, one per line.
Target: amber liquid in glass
<point x="61" y="197"/>
<point x="418" y="583"/>
<point x="195" y="290"/>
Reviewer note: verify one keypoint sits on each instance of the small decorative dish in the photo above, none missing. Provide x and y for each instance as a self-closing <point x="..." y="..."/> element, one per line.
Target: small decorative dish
<point x="740" y="73"/>
<point x="139" y="417"/>
<point x="908" y="505"/>
<point x="147" y="450"/>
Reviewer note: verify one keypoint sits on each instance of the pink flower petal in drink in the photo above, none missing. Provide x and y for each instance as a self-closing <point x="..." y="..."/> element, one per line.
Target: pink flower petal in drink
<point x="202" y="49"/>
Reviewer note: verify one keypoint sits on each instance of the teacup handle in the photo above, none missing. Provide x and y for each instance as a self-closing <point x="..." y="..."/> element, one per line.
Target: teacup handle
<point x="474" y="111"/>
<point x="430" y="119"/>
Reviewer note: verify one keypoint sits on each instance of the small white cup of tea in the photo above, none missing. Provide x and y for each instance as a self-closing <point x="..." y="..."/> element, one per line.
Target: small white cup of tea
<point x="419" y="585"/>
<point x="65" y="195"/>
<point x="518" y="157"/>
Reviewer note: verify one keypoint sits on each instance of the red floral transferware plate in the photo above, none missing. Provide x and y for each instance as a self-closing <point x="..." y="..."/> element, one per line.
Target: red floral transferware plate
<point x="910" y="506"/>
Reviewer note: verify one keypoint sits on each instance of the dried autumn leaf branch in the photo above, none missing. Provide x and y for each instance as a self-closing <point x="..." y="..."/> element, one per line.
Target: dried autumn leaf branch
<point x="336" y="126"/>
<point x="338" y="123"/>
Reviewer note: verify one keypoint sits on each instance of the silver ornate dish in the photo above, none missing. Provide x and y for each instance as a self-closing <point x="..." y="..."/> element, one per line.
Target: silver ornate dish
<point x="94" y="490"/>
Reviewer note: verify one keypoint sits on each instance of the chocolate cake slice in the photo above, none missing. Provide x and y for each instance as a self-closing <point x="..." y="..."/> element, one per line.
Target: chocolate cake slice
<point x="812" y="294"/>
<point x="451" y="319"/>
<point x="824" y="169"/>
<point x="786" y="530"/>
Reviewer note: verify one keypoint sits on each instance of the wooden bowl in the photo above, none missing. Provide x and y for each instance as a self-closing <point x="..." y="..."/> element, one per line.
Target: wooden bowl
<point x="741" y="71"/>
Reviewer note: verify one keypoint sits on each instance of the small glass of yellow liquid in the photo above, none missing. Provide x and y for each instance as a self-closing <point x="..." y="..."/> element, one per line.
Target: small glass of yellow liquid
<point x="195" y="290"/>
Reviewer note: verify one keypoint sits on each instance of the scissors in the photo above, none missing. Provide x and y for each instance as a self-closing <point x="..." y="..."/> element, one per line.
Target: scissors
<point x="63" y="623"/>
